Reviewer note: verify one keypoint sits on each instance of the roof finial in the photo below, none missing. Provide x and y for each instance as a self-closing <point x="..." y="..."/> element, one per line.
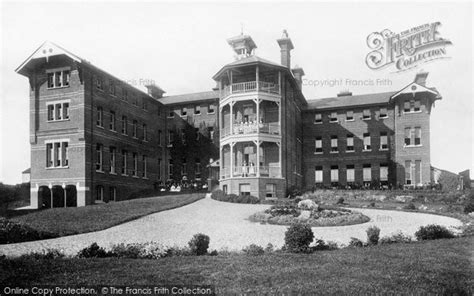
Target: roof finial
<point x="285" y="34"/>
<point x="241" y="28"/>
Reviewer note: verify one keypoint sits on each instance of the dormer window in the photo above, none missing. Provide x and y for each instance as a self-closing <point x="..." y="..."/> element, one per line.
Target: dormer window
<point x="416" y="107"/>
<point x="350" y="115"/>
<point x="318" y="118"/>
<point x="412" y="106"/>
<point x="383" y="113"/>
<point x="333" y="117"/>
<point x="58" y="78"/>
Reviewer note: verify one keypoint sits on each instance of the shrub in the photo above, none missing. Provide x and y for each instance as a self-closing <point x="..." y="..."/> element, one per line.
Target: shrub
<point x="13" y="232"/>
<point x="199" y="244"/>
<point x="221" y="196"/>
<point x="281" y="210"/>
<point x="307" y="204"/>
<point x="373" y="233"/>
<point x="293" y="192"/>
<point x="213" y="253"/>
<point x="372" y="204"/>
<point x="253" y="250"/>
<point x="356" y="243"/>
<point x="340" y="201"/>
<point x="410" y="206"/>
<point x="395" y="239"/>
<point x="93" y="251"/>
<point x="122" y="250"/>
<point x="218" y="194"/>
<point x="321" y="245"/>
<point x="433" y="231"/>
<point x="269" y="248"/>
<point x="47" y="254"/>
<point x="178" y="252"/>
<point x="469" y="208"/>
<point x="298" y="237"/>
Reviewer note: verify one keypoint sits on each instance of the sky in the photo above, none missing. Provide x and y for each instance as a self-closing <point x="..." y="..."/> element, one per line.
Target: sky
<point x="180" y="46"/>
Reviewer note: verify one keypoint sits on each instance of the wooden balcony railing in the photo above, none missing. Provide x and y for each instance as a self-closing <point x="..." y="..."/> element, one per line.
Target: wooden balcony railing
<point x="252" y="171"/>
<point x="251" y="128"/>
<point x="251" y="86"/>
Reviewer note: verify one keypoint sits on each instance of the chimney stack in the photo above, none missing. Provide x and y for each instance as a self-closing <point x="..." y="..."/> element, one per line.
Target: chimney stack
<point x="298" y="73"/>
<point x="344" y="93"/>
<point x="155" y="91"/>
<point x="285" y="47"/>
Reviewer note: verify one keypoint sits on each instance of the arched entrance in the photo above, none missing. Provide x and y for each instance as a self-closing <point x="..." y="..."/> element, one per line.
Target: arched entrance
<point x="71" y="196"/>
<point x="58" y="196"/>
<point x="44" y="196"/>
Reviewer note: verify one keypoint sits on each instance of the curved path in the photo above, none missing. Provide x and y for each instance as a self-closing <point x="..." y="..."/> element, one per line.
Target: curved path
<point x="227" y="226"/>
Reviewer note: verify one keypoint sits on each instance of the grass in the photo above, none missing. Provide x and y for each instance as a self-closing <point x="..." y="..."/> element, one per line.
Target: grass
<point x="436" y="267"/>
<point x="68" y="221"/>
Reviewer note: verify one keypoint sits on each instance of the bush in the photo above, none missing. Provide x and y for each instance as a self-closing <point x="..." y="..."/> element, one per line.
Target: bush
<point x="356" y="243"/>
<point x="372" y="204"/>
<point x="373" y="234"/>
<point x="307" y="204"/>
<point x="148" y="250"/>
<point x="178" y="252"/>
<point x="221" y="196"/>
<point x="253" y="250"/>
<point x="48" y="254"/>
<point x="433" y="231"/>
<point x="13" y="232"/>
<point x="93" y="251"/>
<point x="395" y="239"/>
<point x="410" y="206"/>
<point x="321" y="245"/>
<point x="469" y="208"/>
<point x="199" y="244"/>
<point x="282" y="210"/>
<point x="218" y="194"/>
<point x="298" y="237"/>
<point x="269" y="248"/>
<point x="340" y="201"/>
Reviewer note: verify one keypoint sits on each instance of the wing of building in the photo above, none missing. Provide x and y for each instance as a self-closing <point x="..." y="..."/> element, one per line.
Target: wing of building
<point x="95" y="138"/>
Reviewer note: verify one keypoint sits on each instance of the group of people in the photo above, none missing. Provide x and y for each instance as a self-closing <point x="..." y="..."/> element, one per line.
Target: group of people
<point x="248" y="170"/>
<point x="247" y="126"/>
<point x="177" y="187"/>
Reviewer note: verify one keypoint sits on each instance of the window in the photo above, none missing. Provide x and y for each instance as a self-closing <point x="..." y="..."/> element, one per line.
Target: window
<point x="99" y="83"/>
<point x="124" y="162"/>
<point x="184" y="167"/>
<point x="383" y="141"/>
<point x="135" y="164"/>
<point x="144" y="161"/>
<point x="197" y="110"/>
<point x="145" y="132"/>
<point x="112" y="87"/>
<point x="318" y="175"/>
<point x="334" y="148"/>
<point x="198" y="134"/>
<point x="59" y="78"/>
<point x="334" y="173"/>
<point x="124" y="94"/>
<point x="383" y="113"/>
<point x="211" y="133"/>
<point x="100" y="117"/>
<point x="270" y="190"/>
<point x="134" y="128"/>
<point x="144" y="104"/>
<point x="124" y="125"/>
<point x="184" y="111"/>
<point x="383" y="172"/>
<point x="318" y="144"/>
<point x="417" y="136"/>
<point x="99" y="157"/>
<point x="58" y="111"/>
<point x="112" y="121"/>
<point x="412" y="106"/>
<point x="113" y="156"/>
<point x="160" y="134"/>
<point x="350" y="143"/>
<point x="367" y="146"/>
<point x="99" y="193"/>
<point x="408" y="173"/>
<point x="318" y="118"/>
<point x="224" y="188"/>
<point x="416" y="107"/>
<point x="244" y="189"/>
<point x="197" y="170"/>
<point x="170" y="168"/>
<point x="367" y="173"/>
<point x="418" y="172"/>
<point x="407" y="107"/>
<point x="350" y="173"/>
<point x="158" y="173"/>
<point x="366" y="114"/>
<point x="112" y="194"/>
<point x="350" y="115"/>
<point x="170" y="138"/>
<point x="57" y="154"/>
<point x="171" y="114"/>
<point x="408" y="136"/>
<point x="211" y="109"/>
<point x="333" y="117"/>
<point x="134" y="100"/>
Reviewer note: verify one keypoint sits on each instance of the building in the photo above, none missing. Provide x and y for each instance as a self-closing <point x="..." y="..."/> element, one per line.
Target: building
<point x="25" y="176"/>
<point x="95" y="138"/>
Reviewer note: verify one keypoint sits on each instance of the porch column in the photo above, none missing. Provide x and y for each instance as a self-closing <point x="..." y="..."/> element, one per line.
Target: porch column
<point x="257" y="143"/>
<point x="51" y="191"/>
<point x="279" y="117"/>
<point x="221" y="122"/>
<point x="257" y="102"/>
<point x="281" y="163"/>
<point x="256" y="77"/>
<point x="231" y="159"/>
<point x="221" y="162"/>
<point x="231" y="82"/>
<point x="231" y="104"/>
<point x="65" y="195"/>
<point x="279" y="82"/>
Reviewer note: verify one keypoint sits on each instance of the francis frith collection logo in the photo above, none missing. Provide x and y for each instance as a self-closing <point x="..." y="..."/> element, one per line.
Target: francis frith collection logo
<point x="406" y="50"/>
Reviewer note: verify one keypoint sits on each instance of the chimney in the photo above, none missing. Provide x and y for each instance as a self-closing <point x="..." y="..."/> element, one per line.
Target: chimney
<point x="298" y="73"/>
<point x="155" y="91"/>
<point x="344" y="93"/>
<point x="420" y="78"/>
<point x="285" y="47"/>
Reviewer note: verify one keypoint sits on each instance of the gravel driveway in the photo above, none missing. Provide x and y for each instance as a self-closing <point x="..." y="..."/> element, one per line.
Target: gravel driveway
<point x="227" y="226"/>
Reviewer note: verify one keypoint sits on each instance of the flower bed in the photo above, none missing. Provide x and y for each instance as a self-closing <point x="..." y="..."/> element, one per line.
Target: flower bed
<point x="287" y="214"/>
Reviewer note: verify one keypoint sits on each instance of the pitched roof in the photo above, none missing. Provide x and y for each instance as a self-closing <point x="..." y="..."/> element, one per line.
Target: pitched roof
<point x="249" y="61"/>
<point x="191" y="97"/>
<point x="346" y="101"/>
<point x="27" y="171"/>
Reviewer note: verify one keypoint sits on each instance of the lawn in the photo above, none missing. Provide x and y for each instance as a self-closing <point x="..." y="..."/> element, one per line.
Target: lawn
<point x="428" y="267"/>
<point x="67" y="221"/>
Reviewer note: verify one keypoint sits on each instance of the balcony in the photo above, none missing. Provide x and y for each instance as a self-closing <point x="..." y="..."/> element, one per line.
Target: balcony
<point x="251" y="86"/>
<point x="251" y="172"/>
<point x="272" y="128"/>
